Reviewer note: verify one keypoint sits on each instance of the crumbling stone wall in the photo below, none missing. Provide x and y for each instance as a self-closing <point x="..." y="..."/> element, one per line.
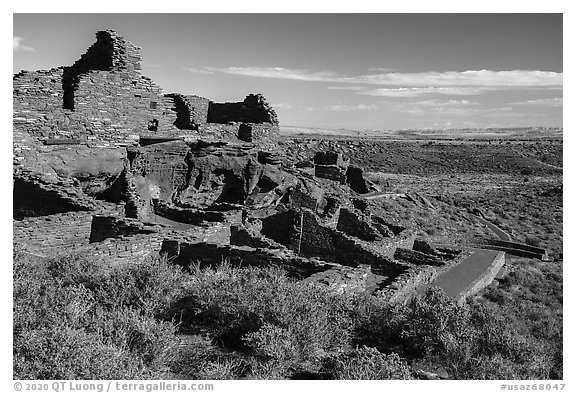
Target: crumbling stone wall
<point x="102" y="100"/>
<point x="242" y="236"/>
<point x="104" y="227"/>
<point x="342" y="279"/>
<point x="354" y="225"/>
<point x="331" y="165"/>
<point x="313" y="239"/>
<point x="54" y="233"/>
<point x="405" y="286"/>
<point x="185" y="253"/>
<point x="282" y="227"/>
<point x="254" y="109"/>
<point x="232" y="131"/>
<point x="133" y="249"/>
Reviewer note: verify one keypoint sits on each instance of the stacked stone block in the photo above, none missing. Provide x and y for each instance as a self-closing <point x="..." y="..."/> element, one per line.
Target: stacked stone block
<point x="331" y="165"/>
<point x="254" y="109"/>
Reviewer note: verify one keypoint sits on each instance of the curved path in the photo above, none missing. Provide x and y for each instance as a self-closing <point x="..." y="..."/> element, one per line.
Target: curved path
<point x="499" y="232"/>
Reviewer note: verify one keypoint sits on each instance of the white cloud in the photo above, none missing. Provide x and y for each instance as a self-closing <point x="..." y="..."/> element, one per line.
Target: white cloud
<point x="344" y="108"/>
<point x="195" y="70"/>
<point x="420" y="80"/>
<point x="443" y="103"/>
<point x="380" y="69"/>
<point x="515" y="78"/>
<point x="279" y="73"/>
<point x="553" y="102"/>
<point x="353" y="88"/>
<point x="421" y="91"/>
<point x="447" y="108"/>
<point x="18" y="46"/>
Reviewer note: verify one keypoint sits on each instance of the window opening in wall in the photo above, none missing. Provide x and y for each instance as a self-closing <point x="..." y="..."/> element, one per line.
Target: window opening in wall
<point x="153" y="125"/>
<point x="153" y="104"/>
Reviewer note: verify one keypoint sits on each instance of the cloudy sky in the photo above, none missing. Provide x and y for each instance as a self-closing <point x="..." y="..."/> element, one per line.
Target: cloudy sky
<point x="359" y="71"/>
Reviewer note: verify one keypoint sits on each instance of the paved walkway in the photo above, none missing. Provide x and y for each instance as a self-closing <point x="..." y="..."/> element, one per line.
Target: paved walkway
<point x="499" y="232"/>
<point x="457" y="279"/>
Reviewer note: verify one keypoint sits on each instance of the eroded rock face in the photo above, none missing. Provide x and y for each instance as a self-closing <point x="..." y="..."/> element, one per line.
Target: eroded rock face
<point x="59" y="179"/>
<point x="202" y="175"/>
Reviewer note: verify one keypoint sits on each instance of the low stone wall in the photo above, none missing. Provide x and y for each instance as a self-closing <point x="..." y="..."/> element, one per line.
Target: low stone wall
<point x="54" y="233"/>
<point x="484" y="279"/>
<point x="518" y="249"/>
<point x="342" y="279"/>
<point x="123" y="250"/>
<point x="258" y="131"/>
<point x="315" y="240"/>
<point x="241" y="236"/>
<point x="104" y="227"/>
<point x="354" y="225"/>
<point x="187" y="216"/>
<point x="209" y="255"/>
<point x="405" y="285"/>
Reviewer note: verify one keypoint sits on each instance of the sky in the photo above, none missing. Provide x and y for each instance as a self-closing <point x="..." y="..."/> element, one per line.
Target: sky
<point x="353" y="71"/>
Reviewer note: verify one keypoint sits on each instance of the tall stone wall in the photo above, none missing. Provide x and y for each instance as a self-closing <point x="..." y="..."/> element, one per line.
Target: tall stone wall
<point x="115" y="107"/>
<point x="37" y="103"/>
<point x="198" y="109"/>
<point x="102" y="100"/>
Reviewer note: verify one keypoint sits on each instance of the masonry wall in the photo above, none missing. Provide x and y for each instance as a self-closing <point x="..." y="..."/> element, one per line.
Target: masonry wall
<point x="104" y="227"/>
<point x="231" y="131"/>
<point x="316" y="240"/>
<point x="37" y="104"/>
<point x="102" y="100"/>
<point x="57" y="232"/>
<point x="132" y="249"/>
<point x="406" y="284"/>
<point x="206" y="254"/>
<point x="254" y="109"/>
<point x="116" y="107"/>
<point x="198" y="109"/>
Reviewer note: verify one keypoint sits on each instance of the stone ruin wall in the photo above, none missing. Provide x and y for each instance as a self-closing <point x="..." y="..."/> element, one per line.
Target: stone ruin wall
<point x="102" y="100"/>
<point x="405" y="286"/>
<point x="314" y="239"/>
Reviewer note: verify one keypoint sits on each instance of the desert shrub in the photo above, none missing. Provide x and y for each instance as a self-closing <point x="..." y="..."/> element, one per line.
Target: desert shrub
<point x="225" y="367"/>
<point x="64" y="330"/>
<point x="533" y="241"/>
<point x="268" y="369"/>
<point x="265" y="310"/>
<point x="366" y="363"/>
<point x="434" y="323"/>
<point x="65" y="353"/>
<point x="73" y="269"/>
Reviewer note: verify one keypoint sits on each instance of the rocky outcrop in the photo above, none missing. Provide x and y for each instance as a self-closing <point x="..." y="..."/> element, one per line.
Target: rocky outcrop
<point x="202" y="175"/>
